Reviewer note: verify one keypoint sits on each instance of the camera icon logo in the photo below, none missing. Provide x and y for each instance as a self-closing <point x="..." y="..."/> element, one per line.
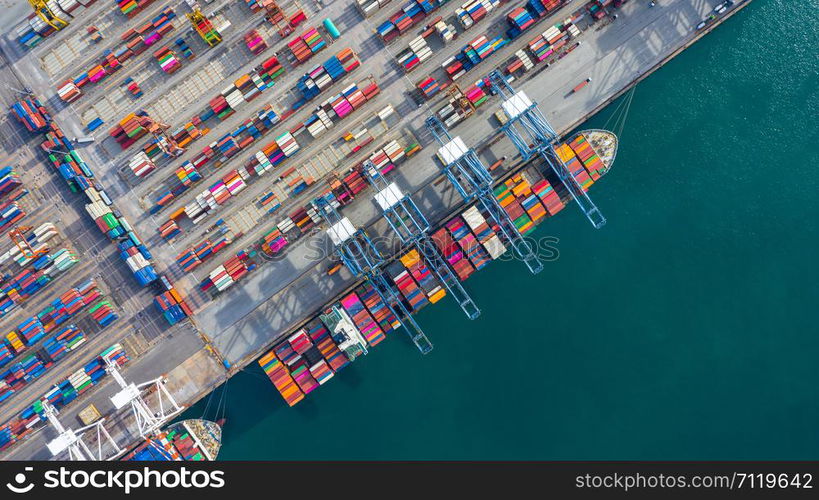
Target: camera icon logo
<point x="20" y="479"/>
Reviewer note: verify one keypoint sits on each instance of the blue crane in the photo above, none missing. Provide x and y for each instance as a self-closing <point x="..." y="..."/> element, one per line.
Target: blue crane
<point x="357" y="251"/>
<point x="474" y="182"/>
<point x="532" y="135"/>
<point x="412" y="228"/>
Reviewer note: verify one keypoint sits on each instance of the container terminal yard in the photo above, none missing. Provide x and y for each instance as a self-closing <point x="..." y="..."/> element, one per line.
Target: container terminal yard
<point x="158" y="234"/>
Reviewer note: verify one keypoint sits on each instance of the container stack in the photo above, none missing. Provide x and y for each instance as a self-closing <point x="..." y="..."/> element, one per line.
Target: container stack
<point x="141" y="165"/>
<point x="105" y="219"/>
<point x="387" y="31"/>
<point x="255" y="43"/>
<point x="307" y="44"/>
<point x="548" y="196"/>
<point x="362" y="319"/>
<point x="476" y="95"/>
<point x="483" y="232"/>
<point x="136" y="257"/>
<point x="524" y="194"/>
<point x="184" y="48"/>
<point x="9" y="181"/>
<point x="303" y="377"/>
<point x="507" y="195"/>
<point x="128" y="131"/>
<point x="369" y="7"/>
<point x="132" y="87"/>
<point x="386" y="157"/>
<point x="169" y="230"/>
<point x="545" y="44"/>
<point x="225" y="275"/>
<point x="14" y="343"/>
<point x="379" y="310"/>
<point x="429" y="87"/>
<point x="408" y="287"/>
<point x="278" y="373"/>
<point x="319" y="78"/>
<point x="269" y="70"/>
<point x="471" y="247"/>
<point x="132" y="7"/>
<point x="192" y="257"/>
<point x="594" y="166"/>
<point x="452" y="253"/>
<point x="31" y="331"/>
<point x="417" y="52"/>
<point x="446" y="31"/>
<point x="273" y="242"/>
<point x="69" y="92"/>
<point x="474" y="53"/>
<point x="23" y="286"/>
<point x="520" y="62"/>
<point x="6" y="355"/>
<point x="473" y="11"/>
<point x="10" y="214"/>
<point x="423" y="276"/>
<point x="463" y="17"/>
<point x="408" y="16"/>
<point x="574" y="166"/>
<point x="327" y="347"/>
<point x="355" y="181"/>
<point x="135" y="41"/>
<point x="64" y="341"/>
<point x="170" y="307"/>
<point x="540" y="8"/>
<point x="31" y="114"/>
<point x="167" y="60"/>
<point x="32" y="31"/>
<point x="520" y="19"/>
<point x="348" y="59"/>
<point x="301" y="218"/>
<point x="103" y="313"/>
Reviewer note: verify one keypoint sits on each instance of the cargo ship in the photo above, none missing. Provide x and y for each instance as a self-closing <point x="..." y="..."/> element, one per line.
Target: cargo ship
<point x="186" y="440"/>
<point x="359" y="320"/>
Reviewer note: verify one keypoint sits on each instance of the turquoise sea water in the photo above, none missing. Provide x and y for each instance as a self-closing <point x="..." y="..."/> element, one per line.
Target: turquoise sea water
<point x="686" y="328"/>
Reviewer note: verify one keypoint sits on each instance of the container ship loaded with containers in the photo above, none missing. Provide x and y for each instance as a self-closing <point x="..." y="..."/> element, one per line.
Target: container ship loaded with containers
<point x="360" y="320"/>
<point x="187" y="440"/>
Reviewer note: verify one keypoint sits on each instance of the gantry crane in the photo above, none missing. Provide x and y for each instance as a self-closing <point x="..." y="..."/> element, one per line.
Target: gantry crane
<point x="47" y="15"/>
<point x="412" y="228"/>
<point x="72" y="440"/>
<point x="202" y="25"/>
<point x="364" y="260"/>
<point x="159" y="131"/>
<point x="17" y="236"/>
<point x="532" y="135"/>
<point x="474" y="182"/>
<point x="149" y="420"/>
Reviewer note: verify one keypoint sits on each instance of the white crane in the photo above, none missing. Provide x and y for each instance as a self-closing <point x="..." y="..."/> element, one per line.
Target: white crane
<point x="149" y="421"/>
<point x="71" y="440"/>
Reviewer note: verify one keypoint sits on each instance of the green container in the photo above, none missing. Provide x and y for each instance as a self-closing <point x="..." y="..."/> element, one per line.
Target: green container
<point x="110" y="220"/>
<point x="98" y="306"/>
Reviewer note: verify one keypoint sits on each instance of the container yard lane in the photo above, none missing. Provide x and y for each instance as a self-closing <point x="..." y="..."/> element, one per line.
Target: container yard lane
<point x="175" y="81"/>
